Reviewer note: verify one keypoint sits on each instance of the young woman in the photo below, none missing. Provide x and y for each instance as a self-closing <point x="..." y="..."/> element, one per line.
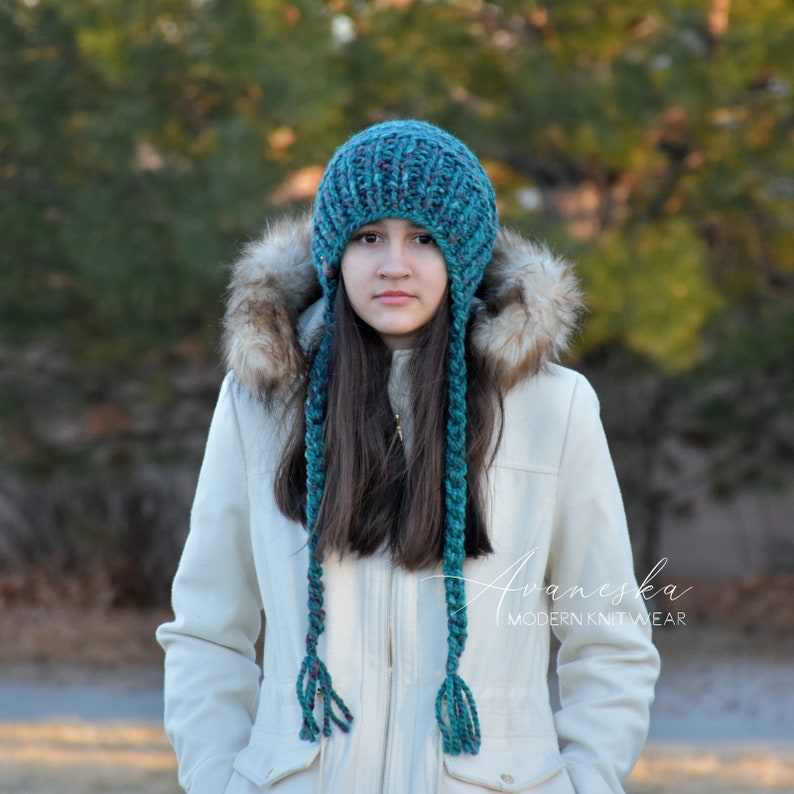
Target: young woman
<point x="394" y="448"/>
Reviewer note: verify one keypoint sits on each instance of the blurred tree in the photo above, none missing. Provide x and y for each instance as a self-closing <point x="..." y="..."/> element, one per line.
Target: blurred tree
<point x="142" y="142"/>
<point x="139" y="142"/>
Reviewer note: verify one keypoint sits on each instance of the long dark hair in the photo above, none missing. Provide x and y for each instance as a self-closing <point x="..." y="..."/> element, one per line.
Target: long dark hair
<point x="374" y="496"/>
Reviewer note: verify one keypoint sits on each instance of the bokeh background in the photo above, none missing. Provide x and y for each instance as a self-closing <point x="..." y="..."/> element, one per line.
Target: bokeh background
<point x="143" y="142"/>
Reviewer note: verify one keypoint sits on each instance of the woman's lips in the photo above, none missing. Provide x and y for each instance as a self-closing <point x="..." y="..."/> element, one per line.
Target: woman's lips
<point x="393" y="297"/>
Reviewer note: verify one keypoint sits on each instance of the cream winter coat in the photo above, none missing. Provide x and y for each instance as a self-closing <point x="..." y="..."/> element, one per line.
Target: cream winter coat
<point x="562" y="562"/>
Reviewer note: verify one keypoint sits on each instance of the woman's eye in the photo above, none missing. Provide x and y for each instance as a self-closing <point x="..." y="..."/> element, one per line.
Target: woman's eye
<point x="366" y="237"/>
<point x="425" y="239"/>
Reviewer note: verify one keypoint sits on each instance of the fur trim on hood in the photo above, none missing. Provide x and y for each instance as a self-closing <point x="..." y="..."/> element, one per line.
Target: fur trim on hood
<point x="526" y="309"/>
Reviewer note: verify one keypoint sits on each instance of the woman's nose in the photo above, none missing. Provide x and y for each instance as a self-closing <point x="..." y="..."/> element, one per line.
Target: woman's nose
<point x="395" y="262"/>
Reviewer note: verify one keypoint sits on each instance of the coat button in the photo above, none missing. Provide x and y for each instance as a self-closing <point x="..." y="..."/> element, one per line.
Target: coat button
<point x="507" y="778"/>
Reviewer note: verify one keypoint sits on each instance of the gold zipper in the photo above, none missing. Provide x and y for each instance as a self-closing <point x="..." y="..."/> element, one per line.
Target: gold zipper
<point x="398" y="417"/>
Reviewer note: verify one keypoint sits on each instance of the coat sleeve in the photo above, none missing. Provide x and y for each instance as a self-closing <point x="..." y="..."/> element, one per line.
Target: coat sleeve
<point x="607" y="664"/>
<point x="211" y="677"/>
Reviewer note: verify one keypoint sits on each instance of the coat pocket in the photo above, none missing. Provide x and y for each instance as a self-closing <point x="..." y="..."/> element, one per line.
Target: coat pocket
<point x="528" y="769"/>
<point x="270" y="759"/>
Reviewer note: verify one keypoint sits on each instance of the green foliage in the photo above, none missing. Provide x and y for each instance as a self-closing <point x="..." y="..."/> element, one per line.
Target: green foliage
<point x="142" y="142"/>
<point x="743" y="401"/>
<point x="651" y="290"/>
<point x="136" y="155"/>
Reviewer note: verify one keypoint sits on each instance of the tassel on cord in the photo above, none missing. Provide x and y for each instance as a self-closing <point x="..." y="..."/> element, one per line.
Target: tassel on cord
<point x="314" y="680"/>
<point x="456" y="711"/>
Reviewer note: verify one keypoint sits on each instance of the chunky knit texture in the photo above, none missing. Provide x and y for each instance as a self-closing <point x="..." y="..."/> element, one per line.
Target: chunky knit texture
<point x="417" y="172"/>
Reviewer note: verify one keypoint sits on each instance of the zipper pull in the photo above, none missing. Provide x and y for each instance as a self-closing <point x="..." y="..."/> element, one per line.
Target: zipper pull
<point x="398" y="420"/>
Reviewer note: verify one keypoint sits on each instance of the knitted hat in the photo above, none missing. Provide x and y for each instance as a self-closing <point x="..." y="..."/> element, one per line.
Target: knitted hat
<point x="414" y="171"/>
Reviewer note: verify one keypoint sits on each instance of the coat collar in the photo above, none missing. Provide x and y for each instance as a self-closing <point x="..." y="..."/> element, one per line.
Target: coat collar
<point x="527" y="308"/>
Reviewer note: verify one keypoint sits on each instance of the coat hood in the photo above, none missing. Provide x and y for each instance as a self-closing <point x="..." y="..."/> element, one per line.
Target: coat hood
<point x="526" y="309"/>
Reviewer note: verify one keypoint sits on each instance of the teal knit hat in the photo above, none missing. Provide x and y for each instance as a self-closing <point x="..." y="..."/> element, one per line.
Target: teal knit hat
<point x="417" y="172"/>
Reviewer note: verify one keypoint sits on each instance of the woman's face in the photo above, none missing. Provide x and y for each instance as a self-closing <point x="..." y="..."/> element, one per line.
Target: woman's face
<point x="395" y="277"/>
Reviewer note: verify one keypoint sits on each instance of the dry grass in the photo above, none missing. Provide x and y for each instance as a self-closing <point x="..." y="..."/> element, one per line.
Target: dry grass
<point x="664" y="769"/>
<point x="76" y="758"/>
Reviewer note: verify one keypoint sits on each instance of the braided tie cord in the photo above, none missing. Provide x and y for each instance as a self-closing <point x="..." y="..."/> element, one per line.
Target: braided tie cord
<point x="314" y="680"/>
<point x="456" y="711"/>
